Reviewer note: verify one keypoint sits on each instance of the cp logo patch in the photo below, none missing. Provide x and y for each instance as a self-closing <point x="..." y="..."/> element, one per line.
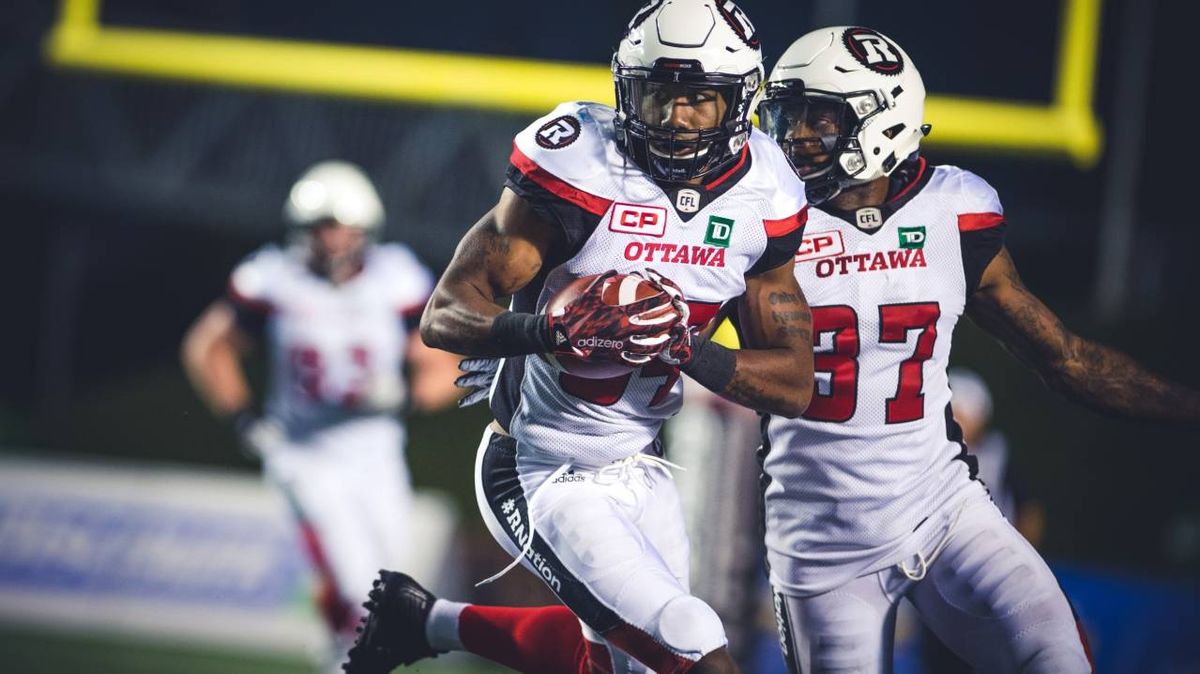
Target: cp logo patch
<point x="634" y="219"/>
<point x="873" y="50"/>
<point x="820" y="245"/>
<point x="558" y="133"/>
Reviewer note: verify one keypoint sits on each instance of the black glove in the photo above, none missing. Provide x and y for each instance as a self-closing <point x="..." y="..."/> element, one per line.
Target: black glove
<point x="257" y="435"/>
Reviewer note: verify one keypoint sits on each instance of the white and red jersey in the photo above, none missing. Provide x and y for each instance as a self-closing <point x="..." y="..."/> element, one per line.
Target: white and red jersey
<point x="336" y="351"/>
<point x="707" y="238"/>
<point x="877" y="451"/>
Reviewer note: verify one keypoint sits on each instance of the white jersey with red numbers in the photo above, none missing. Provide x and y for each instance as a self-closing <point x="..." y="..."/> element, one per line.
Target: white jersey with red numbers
<point x="707" y="238"/>
<point x="849" y="485"/>
<point x="336" y="352"/>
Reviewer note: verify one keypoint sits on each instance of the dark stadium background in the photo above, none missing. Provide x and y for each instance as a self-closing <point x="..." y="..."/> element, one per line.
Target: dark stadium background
<point x="125" y="202"/>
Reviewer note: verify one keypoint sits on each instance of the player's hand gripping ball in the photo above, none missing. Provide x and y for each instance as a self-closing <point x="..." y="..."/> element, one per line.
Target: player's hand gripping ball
<point x="679" y="349"/>
<point x="605" y="325"/>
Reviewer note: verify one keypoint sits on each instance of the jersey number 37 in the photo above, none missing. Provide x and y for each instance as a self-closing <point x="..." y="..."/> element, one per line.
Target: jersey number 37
<point x="895" y="322"/>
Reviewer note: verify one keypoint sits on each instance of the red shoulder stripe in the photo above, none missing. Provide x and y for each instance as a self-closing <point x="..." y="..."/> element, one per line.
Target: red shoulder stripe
<point x="588" y="202"/>
<point x="786" y="225"/>
<point x="970" y="222"/>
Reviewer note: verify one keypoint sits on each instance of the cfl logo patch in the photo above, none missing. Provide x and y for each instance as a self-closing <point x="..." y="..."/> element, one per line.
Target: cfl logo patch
<point x="687" y="200"/>
<point x="558" y="133"/>
<point x="873" y="51"/>
<point x="868" y="218"/>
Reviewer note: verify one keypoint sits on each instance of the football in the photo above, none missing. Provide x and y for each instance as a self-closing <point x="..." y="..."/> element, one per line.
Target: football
<point x="618" y="290"/>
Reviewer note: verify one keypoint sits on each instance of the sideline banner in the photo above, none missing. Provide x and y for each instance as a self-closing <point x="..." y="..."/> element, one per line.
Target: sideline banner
<point x="181" y="554"/>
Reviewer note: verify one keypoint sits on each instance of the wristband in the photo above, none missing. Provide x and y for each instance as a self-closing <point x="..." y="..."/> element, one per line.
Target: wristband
<point x="712" y="365"/>
<point x="242" y="420"/>
<point x="519" y="334"/>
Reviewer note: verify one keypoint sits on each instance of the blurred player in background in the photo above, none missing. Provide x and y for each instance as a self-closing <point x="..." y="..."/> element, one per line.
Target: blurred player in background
<point x="570" y="478"/>
<point x="971" y="401"/>
<point x="715" y="438"/>
<point x="336" y="312"/>
<point x="871" y="496"/>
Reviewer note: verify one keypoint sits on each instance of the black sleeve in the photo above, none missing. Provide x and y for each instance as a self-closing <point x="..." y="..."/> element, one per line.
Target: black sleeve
<point x="779" y="250"/>
<point x="735" y="319"/>
<point x="576" y="223"/>
<point x="412" y="318"/>
<point x="979" y="247"/>
<point x="250" y="318"/>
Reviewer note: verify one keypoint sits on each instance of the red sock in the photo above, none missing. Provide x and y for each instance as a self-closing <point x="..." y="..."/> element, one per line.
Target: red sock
<point x="338" y="613"/>
<point x="542" y="640"/>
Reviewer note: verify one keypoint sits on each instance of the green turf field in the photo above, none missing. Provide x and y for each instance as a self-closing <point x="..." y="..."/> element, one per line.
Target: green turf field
<point x="35" y="652"/>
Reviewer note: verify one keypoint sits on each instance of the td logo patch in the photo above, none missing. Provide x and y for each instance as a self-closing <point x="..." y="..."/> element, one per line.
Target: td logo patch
<point x="912" y="237"/>
<point x="720" y="230"/>
<point x="873" y="51"/>
<point x="558" y="133"/>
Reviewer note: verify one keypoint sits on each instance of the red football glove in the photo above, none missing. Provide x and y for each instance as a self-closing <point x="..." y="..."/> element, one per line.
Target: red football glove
<point x="670" y="288"/>
<point x="632" y="334"/>
<point x="680" y="349"/>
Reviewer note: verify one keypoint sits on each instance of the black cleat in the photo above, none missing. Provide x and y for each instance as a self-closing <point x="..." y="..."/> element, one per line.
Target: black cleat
<point x="393" y="631"/>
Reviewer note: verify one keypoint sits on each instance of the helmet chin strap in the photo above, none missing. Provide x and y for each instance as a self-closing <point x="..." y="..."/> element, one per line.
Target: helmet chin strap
<point x="337" y="269"/>
<point x="700" y="152"/>
<point x="822" y="190"/>
<point x="905" y="172"/>
<point x="828" y="185"/>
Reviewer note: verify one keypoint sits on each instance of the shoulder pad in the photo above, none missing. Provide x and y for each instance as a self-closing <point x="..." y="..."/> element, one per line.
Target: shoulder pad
<point x="407" y="279"/>
<point x="572" y="143"/>
<point x="972" y="193"/>
<point x="772" y="175"/>
<point x="256" y="277"/>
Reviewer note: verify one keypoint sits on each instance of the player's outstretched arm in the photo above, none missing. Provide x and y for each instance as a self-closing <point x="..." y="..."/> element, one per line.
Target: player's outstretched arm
<point x="498" y="256"/>
<point x="773" y="371"/>
<point x="210" y="353"/>
<point x="431" y="382"/>
<point x="1091" y="374"/>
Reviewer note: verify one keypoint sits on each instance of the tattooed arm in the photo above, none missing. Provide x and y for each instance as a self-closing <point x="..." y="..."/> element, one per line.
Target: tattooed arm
<point x="1093" y="375"/>
<point x="498" y="256"/>
<point x="773" y="371"/>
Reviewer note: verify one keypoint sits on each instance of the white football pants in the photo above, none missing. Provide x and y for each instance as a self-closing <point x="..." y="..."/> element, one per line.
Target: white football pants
<point x="987" y="594"/>
<point x="349" y="489"/>
<point x="610" y="542"/>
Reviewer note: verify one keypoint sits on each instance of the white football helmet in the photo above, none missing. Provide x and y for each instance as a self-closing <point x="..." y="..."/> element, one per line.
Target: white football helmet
<point x="334" y="190"/>
<point x="683" y="51"/>
<point x="846" y="105"/>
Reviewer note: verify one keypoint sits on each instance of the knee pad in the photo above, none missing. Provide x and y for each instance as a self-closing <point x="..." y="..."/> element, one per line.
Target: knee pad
<point x="689" y="626"/>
